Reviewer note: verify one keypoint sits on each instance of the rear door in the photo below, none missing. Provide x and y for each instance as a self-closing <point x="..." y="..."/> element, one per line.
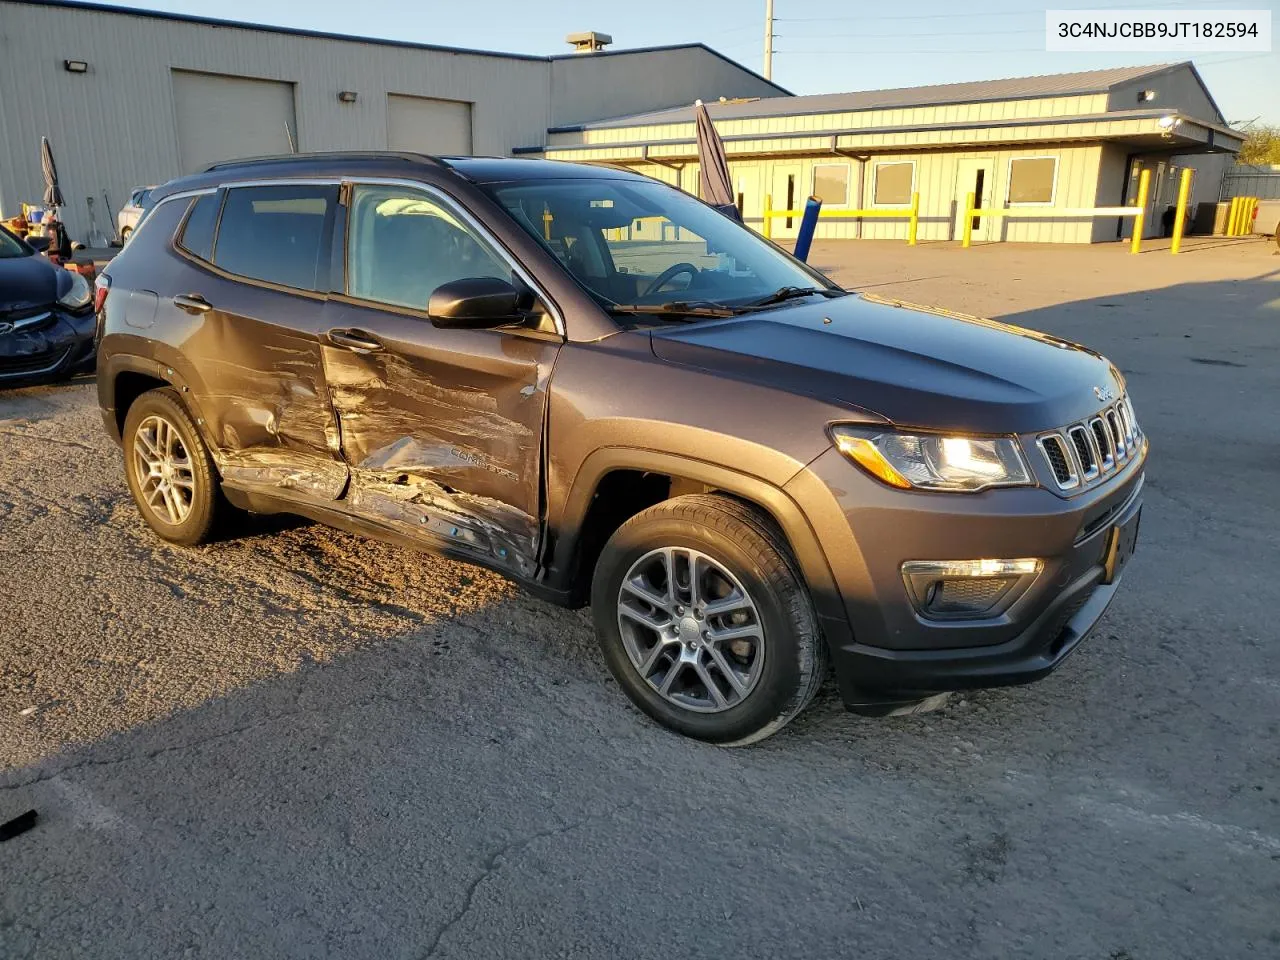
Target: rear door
<point x="442" y="429"/>
<point x="255" y="313"/>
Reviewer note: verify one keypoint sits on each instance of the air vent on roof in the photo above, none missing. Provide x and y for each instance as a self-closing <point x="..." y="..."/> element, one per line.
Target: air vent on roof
<point x="588" y="41"/>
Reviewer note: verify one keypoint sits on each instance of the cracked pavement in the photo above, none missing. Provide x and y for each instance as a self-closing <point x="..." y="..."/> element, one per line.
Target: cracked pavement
<point x="296" y="743"/>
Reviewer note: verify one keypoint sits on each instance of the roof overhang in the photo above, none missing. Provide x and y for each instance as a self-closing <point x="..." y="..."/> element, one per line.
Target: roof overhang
<point x="1157" y="131"/>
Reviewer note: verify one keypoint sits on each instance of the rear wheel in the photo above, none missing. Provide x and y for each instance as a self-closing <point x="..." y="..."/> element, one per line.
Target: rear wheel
<point x="170" y="472"/>
<point x="705" y="622"/>
<point x="125" y="234"/>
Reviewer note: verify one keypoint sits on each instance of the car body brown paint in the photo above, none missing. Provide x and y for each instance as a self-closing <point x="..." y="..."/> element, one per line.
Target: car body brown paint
<point x="490" y="444"/>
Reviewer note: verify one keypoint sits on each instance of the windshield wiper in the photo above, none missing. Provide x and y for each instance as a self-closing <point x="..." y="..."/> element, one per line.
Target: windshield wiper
<point x="675" y="308"/>
<point x="790" y="293"/>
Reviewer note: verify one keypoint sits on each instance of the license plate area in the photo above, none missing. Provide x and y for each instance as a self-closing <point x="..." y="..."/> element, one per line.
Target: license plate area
<point x="1122" y="540"/>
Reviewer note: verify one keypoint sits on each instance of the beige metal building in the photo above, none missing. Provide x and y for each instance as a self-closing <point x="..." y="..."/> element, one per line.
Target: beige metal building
<point x="1075" y="140"/>
<point x="131" y="97"/>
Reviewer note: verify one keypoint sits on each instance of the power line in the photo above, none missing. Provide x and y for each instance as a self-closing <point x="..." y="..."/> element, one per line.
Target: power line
<point x="1164" y="4"/>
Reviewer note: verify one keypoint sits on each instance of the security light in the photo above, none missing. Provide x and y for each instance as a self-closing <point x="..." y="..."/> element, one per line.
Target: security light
<point x="1146" y="96"/>
<point x="347" y="96"/>
<point x="1168" y="123"/>
<point x="75" y="66"/>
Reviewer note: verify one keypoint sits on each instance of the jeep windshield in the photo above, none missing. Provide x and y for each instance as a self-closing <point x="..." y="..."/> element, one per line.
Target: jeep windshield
<point x="644" y="248"/>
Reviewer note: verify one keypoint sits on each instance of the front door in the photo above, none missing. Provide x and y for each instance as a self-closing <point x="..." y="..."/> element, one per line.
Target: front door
<point x="788" y="194"/>
<point x="441" y="428"/>
<point x="976" y="177"/>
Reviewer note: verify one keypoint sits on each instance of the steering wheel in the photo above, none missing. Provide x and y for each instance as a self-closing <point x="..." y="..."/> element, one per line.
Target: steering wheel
<point x="669" y="274"/>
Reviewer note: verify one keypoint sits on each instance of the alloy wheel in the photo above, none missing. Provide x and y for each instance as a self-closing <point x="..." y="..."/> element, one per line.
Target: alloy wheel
<point x="690" y="629"/>
<point x="162" y="463"/>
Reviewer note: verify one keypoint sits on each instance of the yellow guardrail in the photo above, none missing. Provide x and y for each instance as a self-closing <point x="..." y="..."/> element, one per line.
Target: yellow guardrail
<point x="911" y="213"/>
<point x="1240" y="216"/>
<point x="1137" y="211"/>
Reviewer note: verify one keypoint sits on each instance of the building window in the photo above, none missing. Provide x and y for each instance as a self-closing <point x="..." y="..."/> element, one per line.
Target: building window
<point x="893" y="183"/>
<point x="831" y="183"/>
<point x="1032" y="180"/>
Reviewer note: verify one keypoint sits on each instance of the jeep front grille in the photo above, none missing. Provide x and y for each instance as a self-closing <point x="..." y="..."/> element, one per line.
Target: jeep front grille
<point x="1083" y="453"/>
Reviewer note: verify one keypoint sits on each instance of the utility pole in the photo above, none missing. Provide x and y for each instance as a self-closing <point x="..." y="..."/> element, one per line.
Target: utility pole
<point x="768" y="39"/>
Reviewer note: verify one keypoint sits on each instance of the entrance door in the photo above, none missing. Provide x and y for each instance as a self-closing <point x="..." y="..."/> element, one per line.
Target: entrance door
<point x="746" y="194"/>
<point x="441" y="428"/>
<point x="788" y="194"/>
<point x="976" y="177"/>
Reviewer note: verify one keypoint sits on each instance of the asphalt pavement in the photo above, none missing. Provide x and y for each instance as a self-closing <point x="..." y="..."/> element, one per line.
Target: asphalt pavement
<point x="298" y="743"/>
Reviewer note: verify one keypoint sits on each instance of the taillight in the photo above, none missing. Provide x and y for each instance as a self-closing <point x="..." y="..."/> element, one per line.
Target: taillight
<point x="100" y="288"/>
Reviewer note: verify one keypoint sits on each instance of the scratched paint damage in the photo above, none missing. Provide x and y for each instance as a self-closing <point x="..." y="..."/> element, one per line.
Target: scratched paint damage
<point x="447" y="451"/>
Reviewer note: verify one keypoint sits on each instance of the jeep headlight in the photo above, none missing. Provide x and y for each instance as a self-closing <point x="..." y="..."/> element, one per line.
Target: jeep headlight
<point x="79" y="295"/>
<point x="927" y="461"/>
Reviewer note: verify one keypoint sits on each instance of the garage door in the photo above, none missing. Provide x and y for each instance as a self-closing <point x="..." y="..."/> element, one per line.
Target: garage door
<point x="424" y="125"/>
<point x="223" y="118"/>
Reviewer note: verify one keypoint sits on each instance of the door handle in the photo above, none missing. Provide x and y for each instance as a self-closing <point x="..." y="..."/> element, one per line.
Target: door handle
<point x="192" y="303"/>
<point x="355" y="340"/>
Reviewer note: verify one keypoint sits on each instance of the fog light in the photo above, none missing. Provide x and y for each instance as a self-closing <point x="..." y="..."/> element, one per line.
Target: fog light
<point x="967" y="589"/>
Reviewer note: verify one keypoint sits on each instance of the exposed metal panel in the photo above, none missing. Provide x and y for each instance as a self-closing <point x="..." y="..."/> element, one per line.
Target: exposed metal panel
<point x="426" y="125"/>
<point x="223" y="118"/>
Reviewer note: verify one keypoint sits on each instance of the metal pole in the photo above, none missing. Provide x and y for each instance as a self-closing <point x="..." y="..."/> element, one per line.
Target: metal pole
<point x="1180" y="218"/>
<point x="768" y="39"/>
<point x="768" y="216"/>
<point x="1144" y="185"/>
<point x="915" y="219"/>
<point x="966" y="232"/>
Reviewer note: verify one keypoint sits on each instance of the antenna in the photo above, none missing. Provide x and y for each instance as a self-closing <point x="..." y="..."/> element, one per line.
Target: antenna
<point x="768" y="39"/>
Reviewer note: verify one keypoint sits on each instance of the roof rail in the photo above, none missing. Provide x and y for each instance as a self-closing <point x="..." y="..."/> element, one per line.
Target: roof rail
<point x="328" y="155"/>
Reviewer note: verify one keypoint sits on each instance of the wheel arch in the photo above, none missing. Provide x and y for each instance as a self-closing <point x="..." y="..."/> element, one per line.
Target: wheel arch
<point x="579" y="532"/>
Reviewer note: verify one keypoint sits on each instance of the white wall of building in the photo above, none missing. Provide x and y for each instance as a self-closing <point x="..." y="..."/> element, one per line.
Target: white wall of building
<point x="115" y="126"/>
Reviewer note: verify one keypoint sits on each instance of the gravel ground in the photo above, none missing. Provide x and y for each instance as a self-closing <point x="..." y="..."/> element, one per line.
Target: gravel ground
<point x="299" y="743"/>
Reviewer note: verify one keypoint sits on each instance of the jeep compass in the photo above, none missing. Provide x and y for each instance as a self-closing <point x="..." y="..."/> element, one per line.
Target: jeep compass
<point x="608" y="391"/>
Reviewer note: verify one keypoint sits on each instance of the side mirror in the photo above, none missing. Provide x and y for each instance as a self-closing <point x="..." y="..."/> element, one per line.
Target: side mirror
<point x="38" y="244"/>
<point x="475" y="303"/>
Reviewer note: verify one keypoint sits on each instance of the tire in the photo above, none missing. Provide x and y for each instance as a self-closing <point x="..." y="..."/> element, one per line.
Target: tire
<point x="735" y="549"/>
<point x="125" y="234"/>
<point x="191" y="476"/>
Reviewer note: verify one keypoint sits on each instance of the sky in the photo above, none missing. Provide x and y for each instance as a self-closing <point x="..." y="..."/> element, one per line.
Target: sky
<point x="822" y="46"/>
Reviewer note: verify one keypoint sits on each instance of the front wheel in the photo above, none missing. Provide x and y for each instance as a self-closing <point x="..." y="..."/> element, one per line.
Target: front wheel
<point x="705" y="622"/>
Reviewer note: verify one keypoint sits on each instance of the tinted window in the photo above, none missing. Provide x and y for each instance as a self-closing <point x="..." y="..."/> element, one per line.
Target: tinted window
<point x="10" y="246"/>
<point x="1031" y="179"/>
<point x="275" y="233"/>
<point x="197" y="233"/>
<point x="402" y="245"/>
<point x="893" y="182"/>
<point x="831" y="183"/>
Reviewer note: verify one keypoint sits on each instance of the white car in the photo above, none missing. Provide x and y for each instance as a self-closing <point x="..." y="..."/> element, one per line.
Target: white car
<point x="127" y="218"/>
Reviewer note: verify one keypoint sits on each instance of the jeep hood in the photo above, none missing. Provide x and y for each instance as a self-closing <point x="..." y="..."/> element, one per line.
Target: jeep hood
<point x="912" y="365"/>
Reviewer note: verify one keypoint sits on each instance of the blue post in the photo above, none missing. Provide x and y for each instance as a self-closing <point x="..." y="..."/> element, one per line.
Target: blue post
<point x="808" y="224"/>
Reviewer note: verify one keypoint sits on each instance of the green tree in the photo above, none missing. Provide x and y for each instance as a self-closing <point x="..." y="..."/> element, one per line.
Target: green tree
<point x="1261" y="145"/>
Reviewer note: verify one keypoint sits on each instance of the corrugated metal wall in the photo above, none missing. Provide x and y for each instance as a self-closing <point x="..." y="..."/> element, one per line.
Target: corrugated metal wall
<point x="1246" y="180"/>
<point x="113" y="127"/>
<point x="935" y="179"/>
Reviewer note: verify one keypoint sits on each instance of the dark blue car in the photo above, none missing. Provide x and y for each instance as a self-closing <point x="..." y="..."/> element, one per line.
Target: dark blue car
<point x="46" y="316"/>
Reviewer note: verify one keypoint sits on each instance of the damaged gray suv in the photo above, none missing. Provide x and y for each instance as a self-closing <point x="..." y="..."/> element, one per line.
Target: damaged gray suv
<point x="606" y="390"/>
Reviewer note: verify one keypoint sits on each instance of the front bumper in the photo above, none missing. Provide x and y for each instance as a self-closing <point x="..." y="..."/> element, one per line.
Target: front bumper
<point x="884" y="652"/>
<point x="45" y="345"/>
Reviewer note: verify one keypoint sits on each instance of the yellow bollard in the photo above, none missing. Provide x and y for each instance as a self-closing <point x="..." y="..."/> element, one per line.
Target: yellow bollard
<point x="1250" y="215"/>
<point x="1230" y="228"/>
<point x="768" y="220"/>
<point x="966" y="234"/>
<point x="1180" y="217"/>
<point x="914" y="222"/>
<point x="1139" y="220"/>
<point x="546" y="223"/>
